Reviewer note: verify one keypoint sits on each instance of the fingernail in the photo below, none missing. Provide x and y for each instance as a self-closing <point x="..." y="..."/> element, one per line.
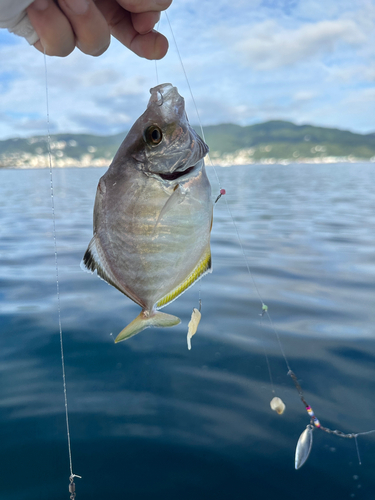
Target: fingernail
<point x="40" y="4"/>
<point x="79" y="7"/>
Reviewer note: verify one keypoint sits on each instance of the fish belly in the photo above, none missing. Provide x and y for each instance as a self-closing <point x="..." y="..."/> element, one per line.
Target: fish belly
<point x="151" y="257"/>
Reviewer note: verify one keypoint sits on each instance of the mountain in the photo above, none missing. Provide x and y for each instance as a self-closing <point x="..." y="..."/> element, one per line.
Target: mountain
<point x="67" y="150"/>
<point x="285" y="140"/>
<point x="269" y="142"/>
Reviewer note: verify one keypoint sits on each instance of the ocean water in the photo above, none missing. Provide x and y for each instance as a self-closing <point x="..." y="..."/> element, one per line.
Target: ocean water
<point x="150" y="419"/>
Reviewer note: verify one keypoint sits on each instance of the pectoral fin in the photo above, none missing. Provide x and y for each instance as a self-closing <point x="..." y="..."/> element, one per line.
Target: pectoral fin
<point x="143" y="320"/>
<point x="175" y="198"/>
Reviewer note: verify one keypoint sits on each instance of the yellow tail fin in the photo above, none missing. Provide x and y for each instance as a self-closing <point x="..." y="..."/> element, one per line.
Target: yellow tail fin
<point x="142" y="321"/>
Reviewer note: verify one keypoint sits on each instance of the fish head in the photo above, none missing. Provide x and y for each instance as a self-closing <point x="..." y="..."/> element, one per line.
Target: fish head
<point x="161" y="141"/>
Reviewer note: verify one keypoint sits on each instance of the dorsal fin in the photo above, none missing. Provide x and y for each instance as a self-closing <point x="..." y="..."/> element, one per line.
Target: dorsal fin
<point x="92" y="261"/>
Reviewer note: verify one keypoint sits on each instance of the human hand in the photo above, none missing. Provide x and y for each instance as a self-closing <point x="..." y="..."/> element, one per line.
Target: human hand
<point x="88" y="25"/>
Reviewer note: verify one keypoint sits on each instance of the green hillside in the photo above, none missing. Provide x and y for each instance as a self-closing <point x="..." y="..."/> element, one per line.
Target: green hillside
<point x="280" y="139"/>
<point x="74" y="145"/>
<point x="274" y="140"/>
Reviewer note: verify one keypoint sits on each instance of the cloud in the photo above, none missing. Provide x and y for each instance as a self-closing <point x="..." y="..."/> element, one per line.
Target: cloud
<point x="36" y="125"/>
<point x="304" y="95"/>
<point x="355" y="72"/>
<point x="361" y="99"/>
<point x="315" y="10"/>
<point x="271" y="46"/>
<point x="247" y="61"/>
<point x="102" y="124"/>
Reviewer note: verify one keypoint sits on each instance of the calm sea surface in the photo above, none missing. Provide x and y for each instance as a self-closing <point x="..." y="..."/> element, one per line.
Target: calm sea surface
<point x="150" y="419"/>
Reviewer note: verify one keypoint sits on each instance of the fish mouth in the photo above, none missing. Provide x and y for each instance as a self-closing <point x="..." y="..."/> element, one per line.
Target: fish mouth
<point x="177" y="148"/>
<point x="164" y="93"/>
<point x="176" y="175"/>
<point x="168" y="100"/>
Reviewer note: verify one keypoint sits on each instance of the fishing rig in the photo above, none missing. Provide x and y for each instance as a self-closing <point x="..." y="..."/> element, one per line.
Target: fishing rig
<point x="305" y="440"/>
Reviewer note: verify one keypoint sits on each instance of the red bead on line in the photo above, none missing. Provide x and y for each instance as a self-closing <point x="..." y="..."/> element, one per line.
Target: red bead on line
<point x="222" y="191"/>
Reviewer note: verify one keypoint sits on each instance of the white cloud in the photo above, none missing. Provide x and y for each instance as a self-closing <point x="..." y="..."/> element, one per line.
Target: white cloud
<point x="314" y="10"/>
<point x="271" y="46"/>
<point x="246" y="62"/>
<point x="356" y="72"/>
<point x="364" y="98"/>
<point x="304" y="95"/>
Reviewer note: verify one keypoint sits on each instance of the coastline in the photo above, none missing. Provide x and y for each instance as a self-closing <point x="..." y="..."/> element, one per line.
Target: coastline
<point x="242" y="157"/>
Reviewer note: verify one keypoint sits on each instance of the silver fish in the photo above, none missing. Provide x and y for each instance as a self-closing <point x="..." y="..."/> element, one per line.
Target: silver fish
<point x="153" y="212"/>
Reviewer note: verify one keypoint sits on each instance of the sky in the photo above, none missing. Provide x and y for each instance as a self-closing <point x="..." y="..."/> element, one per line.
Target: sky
<point x="247" y="61"/>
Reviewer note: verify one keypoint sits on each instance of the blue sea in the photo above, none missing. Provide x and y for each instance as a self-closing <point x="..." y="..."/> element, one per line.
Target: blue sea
<point x="150" y="419"/>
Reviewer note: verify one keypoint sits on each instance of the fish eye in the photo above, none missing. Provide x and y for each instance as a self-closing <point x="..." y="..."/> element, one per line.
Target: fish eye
<point x="153" y="135"/>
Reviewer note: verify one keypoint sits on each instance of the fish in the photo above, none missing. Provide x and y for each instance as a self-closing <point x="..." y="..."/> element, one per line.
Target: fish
<point x="153" y="213"/>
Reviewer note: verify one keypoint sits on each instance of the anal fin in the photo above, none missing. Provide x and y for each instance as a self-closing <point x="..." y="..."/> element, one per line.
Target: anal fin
<point x="203" y="267"/>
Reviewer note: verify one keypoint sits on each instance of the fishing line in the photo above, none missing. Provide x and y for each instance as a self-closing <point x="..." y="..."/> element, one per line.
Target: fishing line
<point x="72" y="475"/>
<point x="196" y="314"/>
<point x="267" y="360"/>
<point x="156" y="62"/>
<point x="221" y="193"/>
<point x="303" y="446"/>
<point x="157" y="74"/>
<point x="314" y="421"/>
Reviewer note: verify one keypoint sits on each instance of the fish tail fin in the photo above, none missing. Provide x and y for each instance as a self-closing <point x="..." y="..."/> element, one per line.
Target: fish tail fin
<point x="142" y="321"/>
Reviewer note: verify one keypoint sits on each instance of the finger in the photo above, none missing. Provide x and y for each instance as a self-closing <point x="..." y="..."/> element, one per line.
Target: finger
<point x="90" y="28"/>
<point x="145" y="21"/>
<point x="137" y="6"/>
<point x="152" y="45"/>
<point x="55" y="33"/>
